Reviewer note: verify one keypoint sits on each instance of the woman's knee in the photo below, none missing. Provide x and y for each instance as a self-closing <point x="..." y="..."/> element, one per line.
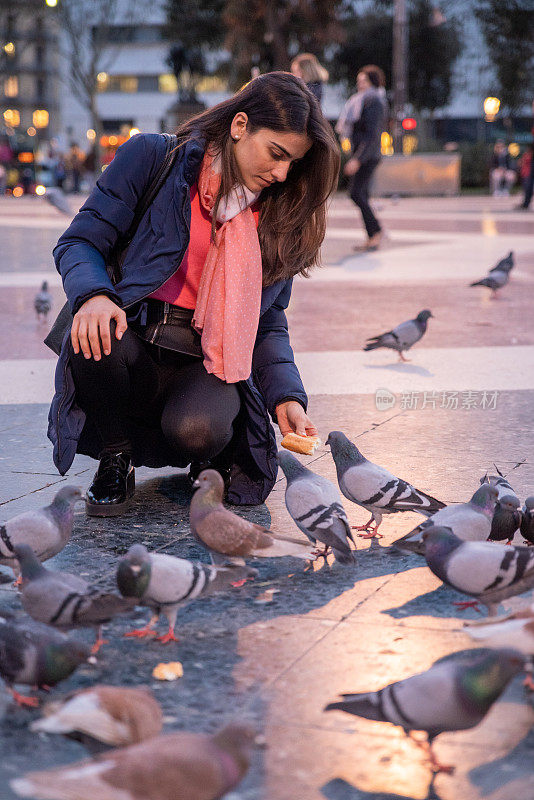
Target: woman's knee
<point x="195" y="434"/>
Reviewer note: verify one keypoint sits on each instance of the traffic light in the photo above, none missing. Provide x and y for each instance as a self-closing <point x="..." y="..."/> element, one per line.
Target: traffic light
<point x="409" y="124"/>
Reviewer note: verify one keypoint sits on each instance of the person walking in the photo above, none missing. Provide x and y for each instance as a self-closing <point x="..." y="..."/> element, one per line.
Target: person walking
<point x="529" y="182"/>
<point x="182" y="359"/>
<point x="502" y="172"/>
<point x="362" y="121"/>
<point x="314" y="75"/>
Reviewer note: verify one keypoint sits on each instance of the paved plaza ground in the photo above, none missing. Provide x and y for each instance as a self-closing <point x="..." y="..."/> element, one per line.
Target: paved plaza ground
<point x="462" y="406"/>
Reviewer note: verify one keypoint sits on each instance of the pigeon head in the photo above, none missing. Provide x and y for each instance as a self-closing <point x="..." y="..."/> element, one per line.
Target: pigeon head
<point x="238" y="741"/>
<point x="44" y="286"/>
<point x="133" y="572"/>
<point x="424" y="315"/>
<point x="411" y="542"/>
<point x="290" y="466"/>
<point x="58" y="660"/>
<point x="440" y="542"/>
<point x="509" y="502"/>
<point x="210" y="484"/>
<point x="485" y="497"/>
<point x="344" y="452"/>
<point x="30" y="566"/>
<point x="68" y="495"/>
<point x="529" y="503"/>
<point x="486" y="678"/>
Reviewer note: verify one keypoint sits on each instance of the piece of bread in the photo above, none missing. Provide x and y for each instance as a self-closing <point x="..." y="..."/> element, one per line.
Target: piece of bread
<point x="306" y="445"/>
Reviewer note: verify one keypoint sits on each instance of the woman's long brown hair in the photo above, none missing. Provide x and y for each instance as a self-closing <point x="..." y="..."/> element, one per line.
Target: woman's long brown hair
<point x="292" y="220"/>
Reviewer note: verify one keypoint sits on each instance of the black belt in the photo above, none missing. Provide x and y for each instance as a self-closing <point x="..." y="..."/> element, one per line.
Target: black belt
<point x="169" y="327"/>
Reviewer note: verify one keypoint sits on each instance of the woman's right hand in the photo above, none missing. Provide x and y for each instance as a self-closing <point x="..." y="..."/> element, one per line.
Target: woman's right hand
<point x="90" y="330"/>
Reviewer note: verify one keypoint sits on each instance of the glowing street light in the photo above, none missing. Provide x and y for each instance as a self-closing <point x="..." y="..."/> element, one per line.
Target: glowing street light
<point x="491" y="108"/>
<point x="51" y="3"/>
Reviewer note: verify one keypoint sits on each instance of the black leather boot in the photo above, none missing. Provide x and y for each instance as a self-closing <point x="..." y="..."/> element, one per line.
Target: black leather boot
<point x="196" y="468"/>
<point x="113" y="486"/>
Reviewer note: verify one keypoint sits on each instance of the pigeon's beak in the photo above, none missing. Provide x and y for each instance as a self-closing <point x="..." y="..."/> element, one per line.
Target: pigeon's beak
<point x="136" y="569"/>
<point x="196" y="484"/>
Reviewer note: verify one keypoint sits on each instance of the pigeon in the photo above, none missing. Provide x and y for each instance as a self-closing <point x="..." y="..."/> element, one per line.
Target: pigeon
<point x="455" y="694"/>
<point x="506" y="519"/>
<point x="226" y="534"/>
<point x="167" y="767"/>
<point x="165" y="583"/>
<point x="315" y="506"/>
<point x="403" y="336"/>
<point x="112" y="715"/>
<point x="46" y="530"/>
<point x="527" y="520"/>
<point x="486" y="571"/>
<point x="505" y="264"/>
<point x="373" y="487"/>
<point x="65" y="600"/>
<point x="494" y="281"/>
<point x="34" y="654"/>
<point x="42" y="302"/>
<point x="469" y="521"/>
<point x="500" y="483"/>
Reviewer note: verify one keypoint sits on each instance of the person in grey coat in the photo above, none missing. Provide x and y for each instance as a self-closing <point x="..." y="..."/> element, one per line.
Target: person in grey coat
<point x="362" y="121"/>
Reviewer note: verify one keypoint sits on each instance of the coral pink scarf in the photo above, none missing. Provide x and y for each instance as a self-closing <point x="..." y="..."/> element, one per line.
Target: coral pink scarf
<point x="227" y="310"/>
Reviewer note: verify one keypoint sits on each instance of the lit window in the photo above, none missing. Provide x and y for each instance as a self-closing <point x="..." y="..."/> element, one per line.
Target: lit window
<point x="167" y="83"/>
<point x="40" y="118"/>
<point x="11" y="86"/>
<point x="128" y="83"/>
<point x="12" y="117"/>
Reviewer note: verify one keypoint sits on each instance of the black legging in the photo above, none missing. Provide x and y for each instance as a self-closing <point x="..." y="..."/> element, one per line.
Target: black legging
<point x="359" y="194"/>
<point x="195" y="409"/>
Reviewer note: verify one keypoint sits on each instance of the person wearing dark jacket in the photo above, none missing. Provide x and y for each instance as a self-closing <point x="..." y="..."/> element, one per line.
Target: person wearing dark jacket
<point x="181" y="360"/>
<point x="308" y="67"/>
<point x="362" y="121"/>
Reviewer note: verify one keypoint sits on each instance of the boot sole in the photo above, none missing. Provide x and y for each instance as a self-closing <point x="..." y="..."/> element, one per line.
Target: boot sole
<point x="107" y="510"/>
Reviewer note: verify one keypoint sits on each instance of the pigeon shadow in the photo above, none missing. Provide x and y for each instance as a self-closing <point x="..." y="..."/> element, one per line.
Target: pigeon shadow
<point x="515" y="766"/>
<point x="437" y="603"/>
<point x="402" y="367"/>
<point x="340" y="789"/>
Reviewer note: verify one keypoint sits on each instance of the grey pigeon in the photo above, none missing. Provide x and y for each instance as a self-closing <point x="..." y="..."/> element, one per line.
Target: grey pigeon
<point x="501" y="484"/>
<point x="165" y="583"/>
<point x="42" y="302"/>
<point x="403" y="336"/>
<point x="496" y="280"/>
<point x="34" y="654"/>
<point x="527" y="520"/>
<point x="46" y="530"/>
<point x="455" y="694"/>
<point x="469" y="521"/>
<point x="315" y="505"/>
<point x="506" y="519"/>
<point x="230" y="538"/>
<point x="486" y="571"/>
<point x="374" y="487"/>
<point x="65" y="600"/>
<point x="173" y="766"/>
<point x="505" y="264"/>
<point x="111" y="715"/>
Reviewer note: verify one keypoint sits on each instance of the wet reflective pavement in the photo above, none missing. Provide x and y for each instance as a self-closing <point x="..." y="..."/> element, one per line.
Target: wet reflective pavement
<point x="332" y="629"/>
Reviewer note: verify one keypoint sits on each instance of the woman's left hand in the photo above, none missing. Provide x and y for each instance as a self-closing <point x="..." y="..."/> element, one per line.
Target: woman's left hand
<point x="293" y="419"/>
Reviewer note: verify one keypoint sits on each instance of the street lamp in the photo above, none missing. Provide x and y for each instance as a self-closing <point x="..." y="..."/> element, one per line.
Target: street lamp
<point x="491" y="108"/>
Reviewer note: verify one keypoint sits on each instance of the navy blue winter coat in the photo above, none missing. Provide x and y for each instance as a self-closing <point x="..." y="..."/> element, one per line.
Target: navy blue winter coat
<point x="155" y="253"/>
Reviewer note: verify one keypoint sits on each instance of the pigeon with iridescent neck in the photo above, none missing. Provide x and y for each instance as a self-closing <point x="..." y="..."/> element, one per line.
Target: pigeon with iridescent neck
<point x="403" y="336"/>
<point x="527" y="520"/>
<point x="469" y="521"/>
<point x="455" y="694"/>
<point x="46" y="530"/>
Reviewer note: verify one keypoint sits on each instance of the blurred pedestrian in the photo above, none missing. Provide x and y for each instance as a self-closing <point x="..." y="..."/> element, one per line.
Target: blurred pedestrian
<point x="529" y="182"/>
<point x="502" y="172"/>
<point x="314" y="75"/>
<point x="74" y="161"/>
<point x="3" y="180"/>
<point x="362" y="121"/>
<point x="59" y="172"/>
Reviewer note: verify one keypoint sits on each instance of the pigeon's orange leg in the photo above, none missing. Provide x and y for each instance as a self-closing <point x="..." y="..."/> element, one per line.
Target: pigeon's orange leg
<point x="363" y="527"/>
<point x="434" y="763"/>
<point x="239" y="584"/>
<point x="17" y="583"/>
<point x="464" y="604"/>
<point x="141" y="633"/>
<point x="528" y="683"/>
<point x="168" y="637"/>
<point x="23" y="700"/>
<point x="372" y="533"/>
<point x="403" y="358"/>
